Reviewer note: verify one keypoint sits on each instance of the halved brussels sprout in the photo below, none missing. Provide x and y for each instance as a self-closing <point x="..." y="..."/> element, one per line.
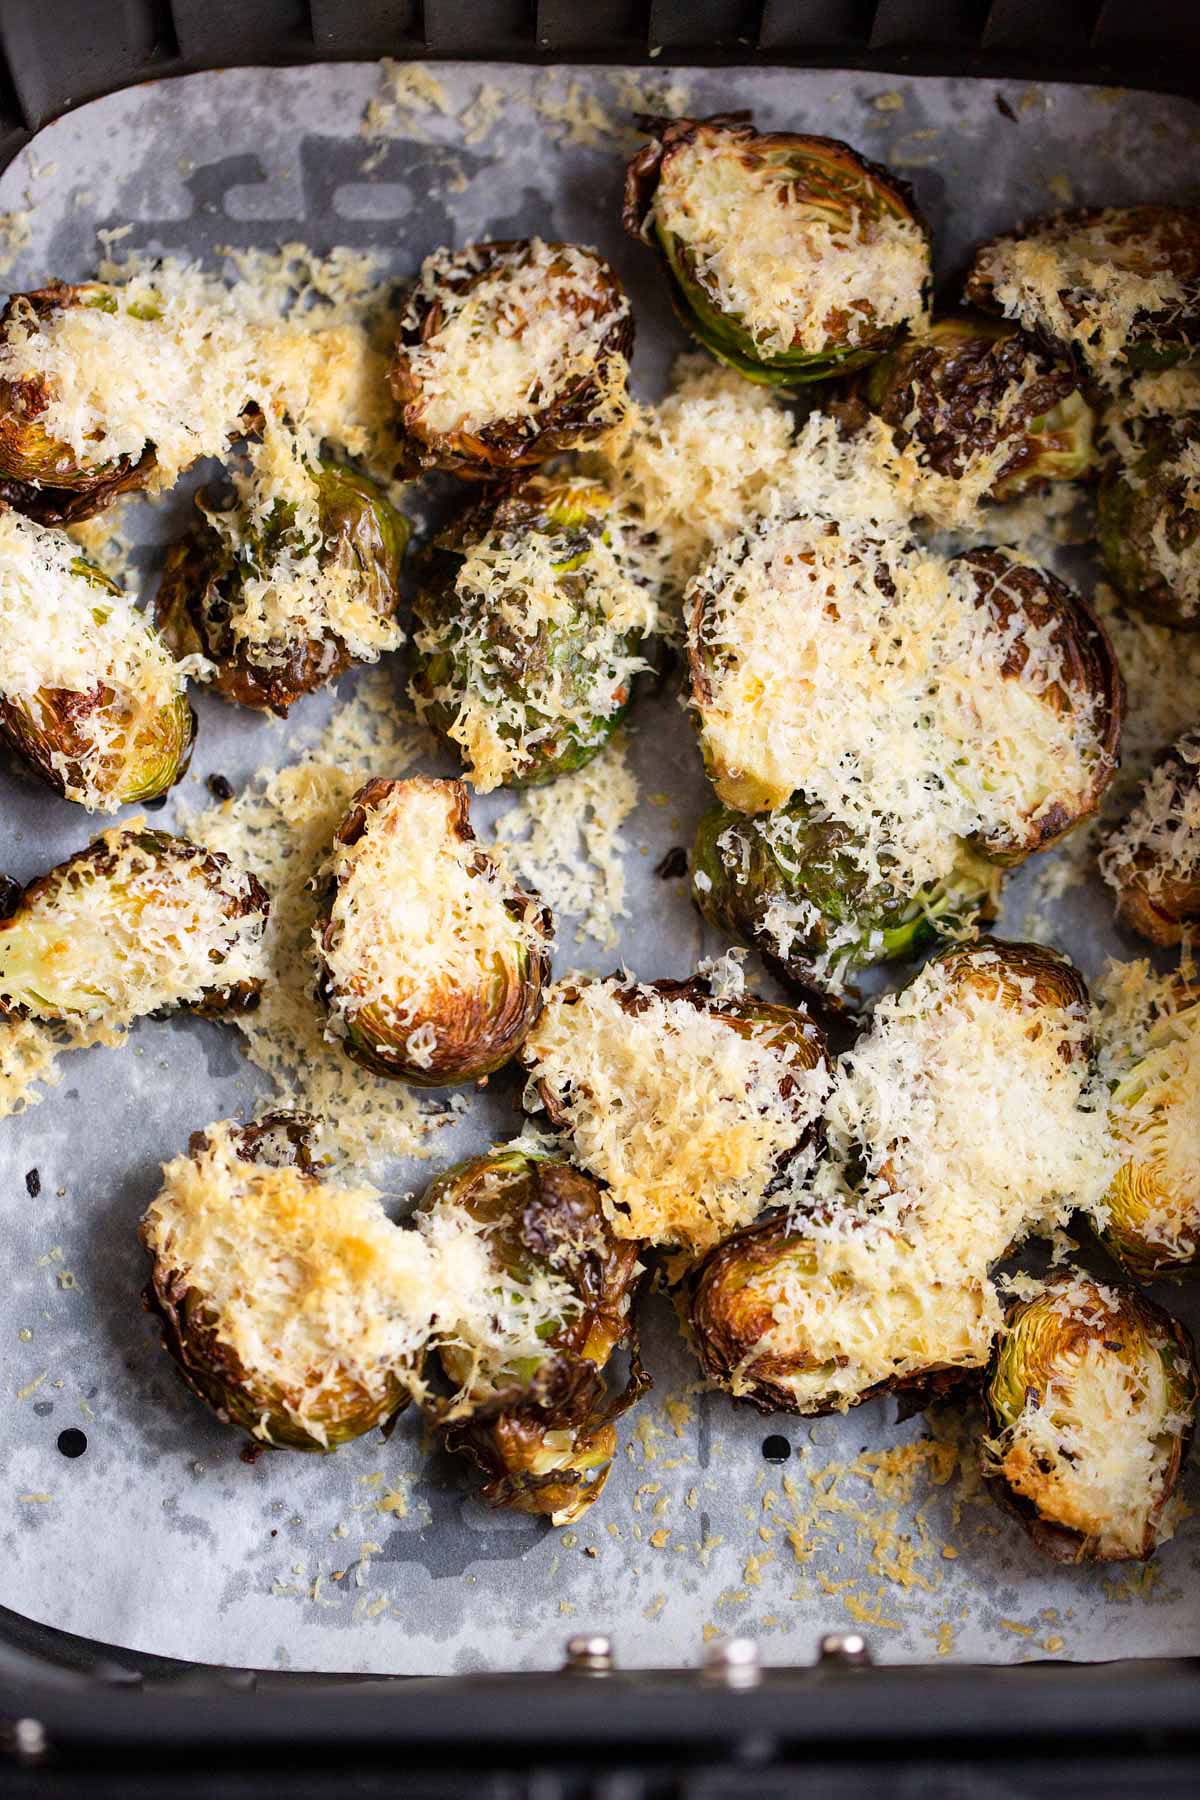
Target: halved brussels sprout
<point x="1148" y="507"/>
<point x="1119" y="286"/>
<point x="917" y="702"/>
<point x="960" y="1121"/>
<point x="1034" y="618"/>
<point x="792" y="886"/>
<point x="688" y="1106"/>
<point x="533" y="618"/>
<point x="983" y="405"/>
<point x="40" y="475"/>
<point x="1150" y="1216"/>
<point x="1152" y="859"/>
<point x="90" y="697"/>
<point x="530" y="1406"/>
<point x="136" y="923"/>
<point x="293" y="1307"/>
<point x="287" y="586"/>
<point x="432" y="958"/>
<point x="1091" y="1400"/>
<point x="791" y="258"/>
<point x="509" y="353"/>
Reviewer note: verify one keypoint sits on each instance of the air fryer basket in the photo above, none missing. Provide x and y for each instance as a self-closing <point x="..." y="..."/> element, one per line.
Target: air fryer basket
<point x="97" y="1714"/>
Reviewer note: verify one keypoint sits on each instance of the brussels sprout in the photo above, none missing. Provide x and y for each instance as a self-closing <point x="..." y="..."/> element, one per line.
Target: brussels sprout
<point x="290" y="584"/>
<point x="1118" y="286"/>
<point x="878" y="1278"/>
<point x="790" y="258"/>
<point x="531" y="1408"/>
<point x="688" y="1106"/>
<point x="40" y="475"/>
<point x="136" y="923"/>
<point x="291" y="1305"/>
<point x="96" y="706"/>
<point x="1152" y="859"/>
<point x="432" y="958"/>
<point x="532" y="620"/>
<point x="791" y="886"/>
<point x="509" y="353"/>
<point x="979" y="402"/>
<point x="1025" y="605"/>
<point x="1091" y="1400"/>
<point x="1148" y="507"/>
<point x="1150" y="1217"/>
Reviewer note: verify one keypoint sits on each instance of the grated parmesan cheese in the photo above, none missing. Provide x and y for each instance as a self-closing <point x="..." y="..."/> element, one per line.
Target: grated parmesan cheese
<point x="797" y="271"/>
<point x="529" y="327"/>
<point x="867" y="674"/>
<point x="686" y="1112"/>
<point x="101" y="650"/>
<point x="961" y="1121"/>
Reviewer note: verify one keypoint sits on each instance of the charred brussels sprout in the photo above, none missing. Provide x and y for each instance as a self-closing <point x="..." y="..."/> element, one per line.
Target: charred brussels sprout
<point x="136" y="923"/>
<point x="688" y="1106"/>
<point x="1148" y="509"/>
<point x="90" y="697"/>
<point x="292" y="1306"/>
<point x="979" y="403"/>
<point x="287" y="586"/>
<point x="1091" y="1398"/>
<point x="432" y="958"/>
<point x="1150" y="1216"/>
<point x="531" y="1407"/>
<point x="41" y="475"/>
<point x="509" y="353"/>
<point x="1119" y="286"/>
<point x="790" y="258"/>
<point x="792" y="885"/>
<point x="1030" y="614"/>
<point x="961" y="1120"/>
<point x="533" y="619"/>
<point x="1152" y="859"/>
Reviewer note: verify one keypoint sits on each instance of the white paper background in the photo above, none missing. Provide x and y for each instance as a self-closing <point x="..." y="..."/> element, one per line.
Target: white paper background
<point x="160" y="1537"/>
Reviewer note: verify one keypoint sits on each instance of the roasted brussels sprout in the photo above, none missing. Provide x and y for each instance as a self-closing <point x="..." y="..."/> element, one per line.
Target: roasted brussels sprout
<point x="509" y="353"/>
<point x="1036" y="623"/>
<point x="792" y="885"/>
<point x="292" y="1305"/>
<point x="287" y="586"/>
<point x="1152" y="859"/>
<point x="1150" y="1217"/>
<point x="530" y="1405"/>
<point x="90" y="698"/>
<point x="790" y="258"/>
<point x="918" y="703"/>
<point x="533" y="618"/>
<point x="1148" y="508"/>
<point x="1118" y="286"/>
<point x="136" y="923"/>
<point x="432" y="958"/>
<point x="960" y="1121"/>
<point x="1091" y="1400"/>
<point x="982" y="406"/>
<point x="41" y="474"/>
<point x="687" y="1105"/>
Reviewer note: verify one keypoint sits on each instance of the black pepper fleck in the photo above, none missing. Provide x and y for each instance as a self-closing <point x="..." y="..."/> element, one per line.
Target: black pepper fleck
<point x="1003" y="107"/>
<point x="775" y="1448"/>
<point x="72" y="1442"/>
<point x="674" y="864"/>
<point x="220" y="787"/>
<point x="33" y="1183"/>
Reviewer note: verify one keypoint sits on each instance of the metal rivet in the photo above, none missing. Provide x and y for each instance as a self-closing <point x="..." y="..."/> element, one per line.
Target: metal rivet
<point x="589" y="1654"/>
<point x="733" y="1662"/>
<point x="29" y="1740"/>
<point x="844" y="1647"/>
